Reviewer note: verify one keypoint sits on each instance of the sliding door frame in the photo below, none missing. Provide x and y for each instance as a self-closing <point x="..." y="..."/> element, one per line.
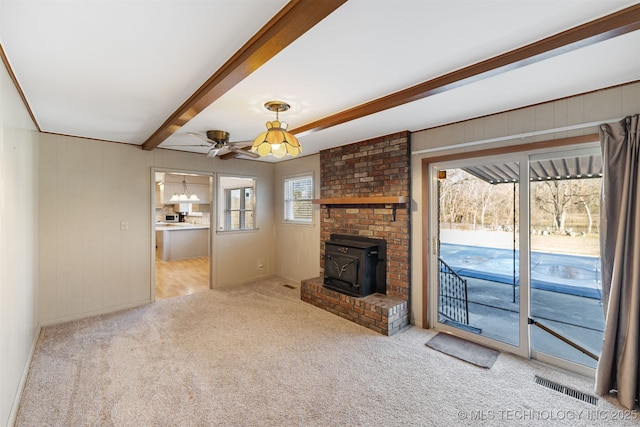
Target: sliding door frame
<point x="522" y="346"/>
<point x="428" y="314"/>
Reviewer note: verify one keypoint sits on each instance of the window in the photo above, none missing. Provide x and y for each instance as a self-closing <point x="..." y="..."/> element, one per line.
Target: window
<point x="237" y="208"/>
<point x="298" y="192"/>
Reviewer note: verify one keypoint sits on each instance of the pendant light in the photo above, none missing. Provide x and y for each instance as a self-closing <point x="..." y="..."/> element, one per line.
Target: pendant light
<point x="185" y="196"/>
<point x="276" y="141"/>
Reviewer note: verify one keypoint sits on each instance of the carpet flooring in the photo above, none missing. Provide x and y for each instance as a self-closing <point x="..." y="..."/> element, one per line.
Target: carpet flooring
<point x="256" y="355"/>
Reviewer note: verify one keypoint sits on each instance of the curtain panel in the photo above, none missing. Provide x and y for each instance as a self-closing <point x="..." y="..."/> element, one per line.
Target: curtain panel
<point x="617" y="369"/>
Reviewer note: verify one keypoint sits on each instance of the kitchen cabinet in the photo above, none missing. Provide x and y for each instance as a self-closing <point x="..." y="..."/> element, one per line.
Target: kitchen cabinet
<point x="202" y="191"/>
<point x="158" y="197"/>
<point x="175" y="242"/>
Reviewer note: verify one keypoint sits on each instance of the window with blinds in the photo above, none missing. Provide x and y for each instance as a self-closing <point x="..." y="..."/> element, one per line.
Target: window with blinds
<point x="298" y="193"/>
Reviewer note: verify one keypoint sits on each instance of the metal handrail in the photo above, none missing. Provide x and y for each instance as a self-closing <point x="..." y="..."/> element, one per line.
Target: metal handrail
<point x="453" y="299"/>
<point x="566" y="340"/>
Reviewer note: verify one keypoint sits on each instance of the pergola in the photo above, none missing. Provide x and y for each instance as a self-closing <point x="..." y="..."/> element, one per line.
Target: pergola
<point x="581" y="167"/>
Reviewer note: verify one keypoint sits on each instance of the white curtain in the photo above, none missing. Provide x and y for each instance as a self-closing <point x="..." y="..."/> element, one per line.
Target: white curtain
<point x="617" y="370"/>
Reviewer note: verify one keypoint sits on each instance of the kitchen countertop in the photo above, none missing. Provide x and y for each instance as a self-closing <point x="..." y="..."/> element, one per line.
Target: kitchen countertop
<point x="179" y="226"/>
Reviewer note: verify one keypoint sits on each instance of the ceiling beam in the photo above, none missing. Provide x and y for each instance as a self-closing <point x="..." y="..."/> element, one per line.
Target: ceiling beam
<point x="610" y="26"/>
<point x="295" y="19"/>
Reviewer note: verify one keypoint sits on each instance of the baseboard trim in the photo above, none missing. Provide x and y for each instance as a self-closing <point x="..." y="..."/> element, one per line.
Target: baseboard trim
<point x="23" y="379"/>
<point x="79" y="316"/>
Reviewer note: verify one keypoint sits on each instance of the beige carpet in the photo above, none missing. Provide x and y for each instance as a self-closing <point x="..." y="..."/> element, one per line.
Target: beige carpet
<point x="256" y="355"/>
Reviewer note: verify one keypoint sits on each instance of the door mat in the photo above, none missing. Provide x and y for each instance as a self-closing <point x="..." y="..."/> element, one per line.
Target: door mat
<point x="473" y="353"/>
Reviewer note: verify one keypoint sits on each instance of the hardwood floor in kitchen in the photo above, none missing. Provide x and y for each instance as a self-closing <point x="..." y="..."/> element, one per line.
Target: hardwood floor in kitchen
<point x="183" y="277"/>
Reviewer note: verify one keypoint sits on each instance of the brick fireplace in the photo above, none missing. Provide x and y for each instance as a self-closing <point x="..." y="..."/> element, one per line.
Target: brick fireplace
<point x="365" y="192"/>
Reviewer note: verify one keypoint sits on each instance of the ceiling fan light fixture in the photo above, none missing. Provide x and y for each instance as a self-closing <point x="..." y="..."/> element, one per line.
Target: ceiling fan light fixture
<point x="276" y="141"/>
<point x="220" y="137"/>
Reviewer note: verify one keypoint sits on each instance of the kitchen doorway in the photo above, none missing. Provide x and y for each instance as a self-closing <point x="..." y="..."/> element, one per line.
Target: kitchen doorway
<point x="181" y="232"/>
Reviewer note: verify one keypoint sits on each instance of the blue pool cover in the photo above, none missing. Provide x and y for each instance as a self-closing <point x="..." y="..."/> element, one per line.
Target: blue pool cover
<point x="568" y="274"/>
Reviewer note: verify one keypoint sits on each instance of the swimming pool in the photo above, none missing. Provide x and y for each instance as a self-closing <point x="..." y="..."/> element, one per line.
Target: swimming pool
<point x="568" y="274"/>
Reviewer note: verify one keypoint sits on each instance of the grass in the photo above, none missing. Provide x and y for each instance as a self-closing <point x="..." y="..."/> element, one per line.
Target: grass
<point x="576" y="245"/>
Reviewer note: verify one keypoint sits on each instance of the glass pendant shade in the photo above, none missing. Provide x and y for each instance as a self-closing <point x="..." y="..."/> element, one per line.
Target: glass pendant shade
<point x="185" y="196"/>
<point x="276" y="141"/>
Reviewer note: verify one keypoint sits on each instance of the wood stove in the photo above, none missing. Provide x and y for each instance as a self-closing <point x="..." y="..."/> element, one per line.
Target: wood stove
<point x="355" y="265"/>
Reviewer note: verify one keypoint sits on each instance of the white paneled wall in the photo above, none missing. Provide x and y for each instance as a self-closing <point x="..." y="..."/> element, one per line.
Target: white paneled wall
<point x="237" y="253"/>
<point x="18" y="244"/>
<point x="88" y="264"/>
<point x="593" y="107"/>
<point x="596" y="106"/>
<point x="297" y="246"/>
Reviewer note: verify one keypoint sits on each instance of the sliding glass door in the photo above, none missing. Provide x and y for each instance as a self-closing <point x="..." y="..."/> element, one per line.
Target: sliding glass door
<point x="566" y="294"/>
<point x="475" y="247"/>
<point x="513" y="256"/>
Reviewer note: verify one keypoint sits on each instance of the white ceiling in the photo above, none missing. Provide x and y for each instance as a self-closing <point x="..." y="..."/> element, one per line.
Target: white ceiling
<point x="117" y="70"/>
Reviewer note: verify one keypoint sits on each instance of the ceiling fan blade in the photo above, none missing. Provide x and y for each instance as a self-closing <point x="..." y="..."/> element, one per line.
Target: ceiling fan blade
<point x="218" y="145"/>
<point x="244" y="151"/>
<point x="187" y="145"/>
<point x="213" y="152"/>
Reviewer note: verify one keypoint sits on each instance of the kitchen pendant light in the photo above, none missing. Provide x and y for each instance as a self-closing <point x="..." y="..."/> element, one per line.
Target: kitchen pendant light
<point x="276" y="140"/>
<point x="185" y="196"/>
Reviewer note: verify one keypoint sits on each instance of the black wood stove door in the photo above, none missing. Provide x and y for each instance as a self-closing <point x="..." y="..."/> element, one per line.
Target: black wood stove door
<point x="350" y="267"/>
<point x="343" y="268"/>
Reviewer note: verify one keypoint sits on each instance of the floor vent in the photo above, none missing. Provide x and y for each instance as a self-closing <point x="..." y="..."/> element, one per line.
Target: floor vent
<point x="289" y="286"/>
<point x="566" y="390"/>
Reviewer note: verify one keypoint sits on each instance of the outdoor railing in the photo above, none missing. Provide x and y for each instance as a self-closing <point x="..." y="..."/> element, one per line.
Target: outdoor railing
<point x="452" y="302"/>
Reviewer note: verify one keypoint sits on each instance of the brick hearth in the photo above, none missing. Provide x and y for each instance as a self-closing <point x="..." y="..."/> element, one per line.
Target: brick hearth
<point x="381" y="313"/>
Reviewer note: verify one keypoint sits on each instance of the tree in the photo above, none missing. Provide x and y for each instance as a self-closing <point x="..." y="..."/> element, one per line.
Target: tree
<point x="451" y="199"/>
<point x="561" y="197"/>
<point x="552" y="197"/>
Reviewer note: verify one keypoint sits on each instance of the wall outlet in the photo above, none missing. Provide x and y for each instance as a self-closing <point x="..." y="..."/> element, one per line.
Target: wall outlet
<point x="124" y="225"/>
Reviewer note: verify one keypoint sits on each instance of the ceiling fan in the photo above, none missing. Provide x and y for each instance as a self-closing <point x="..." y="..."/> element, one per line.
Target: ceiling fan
<point x="218" y="143"/>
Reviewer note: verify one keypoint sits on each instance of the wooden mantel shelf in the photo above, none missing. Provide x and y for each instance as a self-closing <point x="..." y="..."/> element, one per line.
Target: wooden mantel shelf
<point x="373" y="200"/>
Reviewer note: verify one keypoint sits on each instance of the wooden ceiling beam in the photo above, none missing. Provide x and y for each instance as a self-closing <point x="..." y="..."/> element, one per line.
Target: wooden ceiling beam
<point x="610" y="26"/>
<point x="295" y="19"/>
